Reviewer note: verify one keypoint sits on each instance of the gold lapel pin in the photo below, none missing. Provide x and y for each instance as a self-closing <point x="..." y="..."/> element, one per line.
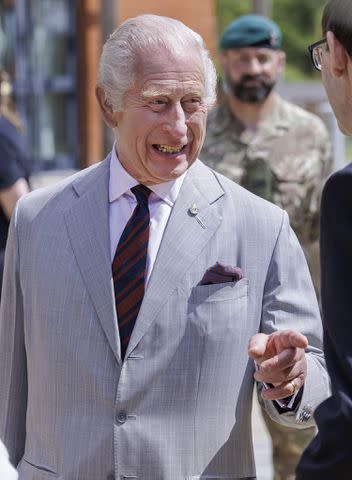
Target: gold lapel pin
<point x="193" y="210"/>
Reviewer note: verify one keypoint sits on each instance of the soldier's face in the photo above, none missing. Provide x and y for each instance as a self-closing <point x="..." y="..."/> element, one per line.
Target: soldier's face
<point x="252" y="72"/>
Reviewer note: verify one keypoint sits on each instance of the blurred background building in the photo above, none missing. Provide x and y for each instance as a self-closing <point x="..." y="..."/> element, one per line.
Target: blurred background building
<point x="51" y="49"/>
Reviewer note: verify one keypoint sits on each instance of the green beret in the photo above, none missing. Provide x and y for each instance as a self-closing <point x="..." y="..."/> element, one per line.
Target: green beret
<point x="251" y="31"/>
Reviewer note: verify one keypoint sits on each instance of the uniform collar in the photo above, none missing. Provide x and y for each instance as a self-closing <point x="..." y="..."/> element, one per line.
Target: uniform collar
<point x="275" y="121"/>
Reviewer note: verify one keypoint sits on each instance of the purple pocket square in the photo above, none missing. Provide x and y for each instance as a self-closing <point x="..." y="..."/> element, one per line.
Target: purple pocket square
<point x="220" y="273"/>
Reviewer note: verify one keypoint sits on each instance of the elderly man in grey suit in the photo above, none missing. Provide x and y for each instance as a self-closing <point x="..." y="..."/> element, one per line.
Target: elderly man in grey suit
<point x="135" y="290"/>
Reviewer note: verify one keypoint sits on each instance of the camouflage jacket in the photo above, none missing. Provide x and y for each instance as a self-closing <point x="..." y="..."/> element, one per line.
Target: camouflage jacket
<point x="286" y="160"/>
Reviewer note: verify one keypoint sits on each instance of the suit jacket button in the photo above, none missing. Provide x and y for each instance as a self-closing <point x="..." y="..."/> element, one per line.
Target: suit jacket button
<point x="121" y="417"/>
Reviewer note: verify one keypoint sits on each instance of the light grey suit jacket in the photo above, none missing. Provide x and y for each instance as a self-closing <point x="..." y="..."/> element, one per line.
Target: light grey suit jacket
<point x="179" y="406"/>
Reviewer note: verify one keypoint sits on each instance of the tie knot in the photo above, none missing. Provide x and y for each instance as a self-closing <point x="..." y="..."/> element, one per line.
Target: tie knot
<point x="142" y="194"/>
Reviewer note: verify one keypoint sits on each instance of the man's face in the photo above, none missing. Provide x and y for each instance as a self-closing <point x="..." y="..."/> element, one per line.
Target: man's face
<point x="337" y="83"/>
<point x="162" y="128"/>
<point x="252" y="72"/>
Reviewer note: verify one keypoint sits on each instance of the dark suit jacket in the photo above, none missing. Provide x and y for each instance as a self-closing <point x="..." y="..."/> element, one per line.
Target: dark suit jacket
<point x="330" y="453"/>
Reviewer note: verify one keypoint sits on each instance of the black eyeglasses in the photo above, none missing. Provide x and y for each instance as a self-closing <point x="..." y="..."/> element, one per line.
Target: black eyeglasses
<point x="316" y="52"/>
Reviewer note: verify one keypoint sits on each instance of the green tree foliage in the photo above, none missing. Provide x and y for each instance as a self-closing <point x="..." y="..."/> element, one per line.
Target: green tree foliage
<point x="228" y="10"/>
<point x="300" y="24"/>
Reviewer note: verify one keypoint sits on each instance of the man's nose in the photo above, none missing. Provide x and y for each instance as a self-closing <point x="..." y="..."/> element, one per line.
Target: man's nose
<point x="254" y="67"/>
<point x="176" y="122"/>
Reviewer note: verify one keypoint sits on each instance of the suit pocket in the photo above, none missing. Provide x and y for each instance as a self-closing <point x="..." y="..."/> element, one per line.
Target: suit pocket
<point x="29" y="471"/>
<point x="219" y="292"/>
<point x="220" y="310"/>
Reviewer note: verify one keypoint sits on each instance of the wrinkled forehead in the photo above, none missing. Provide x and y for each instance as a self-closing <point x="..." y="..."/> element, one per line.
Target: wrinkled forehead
<point x="171" y="53"/>
<point x="161" y="67"/>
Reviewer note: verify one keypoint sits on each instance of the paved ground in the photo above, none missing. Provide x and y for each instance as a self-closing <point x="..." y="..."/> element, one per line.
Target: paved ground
<point x="262" y="445"/>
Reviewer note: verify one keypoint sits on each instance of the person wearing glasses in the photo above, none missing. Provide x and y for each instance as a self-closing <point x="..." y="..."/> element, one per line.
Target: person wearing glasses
<point x="330" y="453"/>
<point x="274" y="149"/>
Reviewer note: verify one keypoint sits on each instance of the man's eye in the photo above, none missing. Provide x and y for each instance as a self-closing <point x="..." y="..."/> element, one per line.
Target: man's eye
<point x="192" y="101"/>
<point x="158" y="102"/>
<point x="262" y="59"/>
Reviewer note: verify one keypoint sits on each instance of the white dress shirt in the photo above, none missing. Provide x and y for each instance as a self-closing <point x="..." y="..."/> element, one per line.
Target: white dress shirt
<point x="122" y="202"/>
<point x="7" y="471"/>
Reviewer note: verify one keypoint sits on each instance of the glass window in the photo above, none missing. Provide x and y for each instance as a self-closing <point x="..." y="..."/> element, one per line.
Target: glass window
<point x="7" y="35"/>
<point x="49" y="51"/>
<point x="42" y="36"/>
<point x="53" y="126"/>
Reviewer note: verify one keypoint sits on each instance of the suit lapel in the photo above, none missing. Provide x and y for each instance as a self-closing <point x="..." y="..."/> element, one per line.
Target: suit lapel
<point x="88" y="229"/>
<point x="184" y="238"/>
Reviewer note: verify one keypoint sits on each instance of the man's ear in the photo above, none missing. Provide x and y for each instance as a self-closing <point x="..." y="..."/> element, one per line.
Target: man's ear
<point x="281" y="60"/>
<point x="105" y="107"/>
<point x="338" y="55"/>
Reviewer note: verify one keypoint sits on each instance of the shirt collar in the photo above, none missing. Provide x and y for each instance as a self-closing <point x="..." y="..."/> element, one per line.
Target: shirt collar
<point x="121" y="182"/>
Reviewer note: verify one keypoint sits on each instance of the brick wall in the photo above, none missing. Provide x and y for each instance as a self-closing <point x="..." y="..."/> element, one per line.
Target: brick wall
<point x="196" y="14"/>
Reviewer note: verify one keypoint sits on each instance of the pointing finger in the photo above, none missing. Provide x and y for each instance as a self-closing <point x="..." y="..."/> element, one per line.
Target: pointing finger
<point x="290" y="339"/>
<point x="257" y="346"/>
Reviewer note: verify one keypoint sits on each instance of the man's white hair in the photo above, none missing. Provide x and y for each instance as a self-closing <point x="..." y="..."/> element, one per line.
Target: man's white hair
<point x="138" y="36"/>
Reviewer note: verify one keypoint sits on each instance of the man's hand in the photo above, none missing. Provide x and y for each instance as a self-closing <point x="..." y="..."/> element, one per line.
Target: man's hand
<point x="281" y="360"/>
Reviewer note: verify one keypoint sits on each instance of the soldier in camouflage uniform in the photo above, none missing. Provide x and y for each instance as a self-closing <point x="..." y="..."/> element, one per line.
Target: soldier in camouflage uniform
<point x="274" y="149"/>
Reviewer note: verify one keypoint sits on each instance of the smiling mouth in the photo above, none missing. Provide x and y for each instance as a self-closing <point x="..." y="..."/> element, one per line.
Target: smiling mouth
<point x="168" y="149"/>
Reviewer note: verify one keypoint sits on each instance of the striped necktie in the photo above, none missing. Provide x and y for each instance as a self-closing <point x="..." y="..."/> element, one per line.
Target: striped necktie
<point x="128" y="267"/>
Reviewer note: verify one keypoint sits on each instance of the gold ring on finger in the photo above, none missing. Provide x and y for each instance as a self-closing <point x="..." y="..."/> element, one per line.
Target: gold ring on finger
<point x="294" y="387"/>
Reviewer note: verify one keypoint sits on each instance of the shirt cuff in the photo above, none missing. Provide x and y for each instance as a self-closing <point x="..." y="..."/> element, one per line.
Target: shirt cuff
<point x="288" y="404"/>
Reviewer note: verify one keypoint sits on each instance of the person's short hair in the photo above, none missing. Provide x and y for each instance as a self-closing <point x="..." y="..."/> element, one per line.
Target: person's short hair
<point x="138" y="36"/>
<point x="337" y="18"/>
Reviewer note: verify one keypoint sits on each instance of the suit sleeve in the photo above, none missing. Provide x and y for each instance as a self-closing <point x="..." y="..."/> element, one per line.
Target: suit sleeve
<point x="13" y="376"/>
<point x="289" y="302"/>
<point x="329" y="455"/>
